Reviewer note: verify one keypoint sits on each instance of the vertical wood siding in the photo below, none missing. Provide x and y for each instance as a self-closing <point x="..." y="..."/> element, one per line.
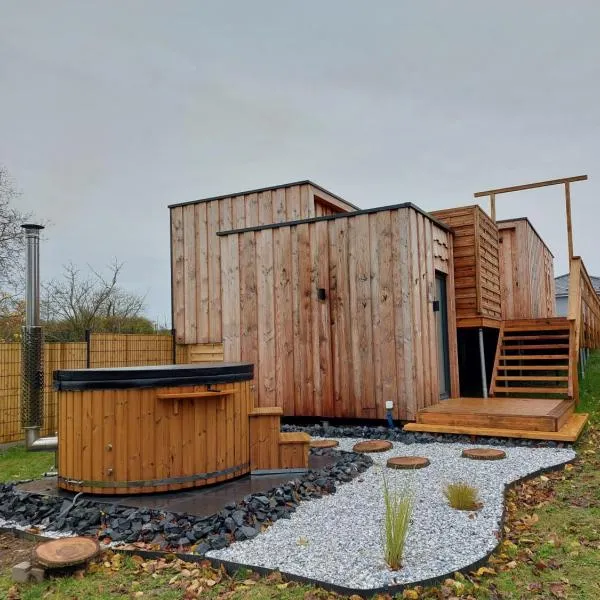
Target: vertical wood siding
<point x="373" y="337"/>
<point x="196" y="249"/>
<point x="527" y="272"/>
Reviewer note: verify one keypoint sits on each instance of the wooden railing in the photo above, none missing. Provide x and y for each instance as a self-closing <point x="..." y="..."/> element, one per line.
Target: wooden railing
<point x="584" y="312"/>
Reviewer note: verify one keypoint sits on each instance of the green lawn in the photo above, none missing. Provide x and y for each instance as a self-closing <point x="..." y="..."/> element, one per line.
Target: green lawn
<point x="551" y="548"/>
<point x="17" y="464"/>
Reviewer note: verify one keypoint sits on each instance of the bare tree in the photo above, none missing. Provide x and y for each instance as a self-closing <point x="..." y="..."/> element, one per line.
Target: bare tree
<point x="78" y="302"/>
<point x="12" y="244"/>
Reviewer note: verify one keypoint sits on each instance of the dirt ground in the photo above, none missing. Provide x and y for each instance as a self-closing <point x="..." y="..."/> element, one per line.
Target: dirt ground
<point x="13" y="550"/>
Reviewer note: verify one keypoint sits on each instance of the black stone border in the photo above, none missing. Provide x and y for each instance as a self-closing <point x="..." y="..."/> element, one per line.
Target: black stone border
<point x="232" y="567"/>
<point x="397" y="434"/>
<point x="172" y="531"/>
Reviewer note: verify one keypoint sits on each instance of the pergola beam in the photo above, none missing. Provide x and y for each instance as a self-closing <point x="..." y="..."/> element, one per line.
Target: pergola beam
<point x="530" y="186"/>
<point x="566" y="181"/>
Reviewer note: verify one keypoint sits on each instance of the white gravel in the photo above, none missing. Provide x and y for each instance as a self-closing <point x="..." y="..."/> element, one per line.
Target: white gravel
<point x="337" y="539"/>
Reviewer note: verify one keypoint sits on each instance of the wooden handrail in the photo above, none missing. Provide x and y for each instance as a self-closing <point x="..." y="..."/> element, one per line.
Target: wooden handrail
<point x="584" y="313"/>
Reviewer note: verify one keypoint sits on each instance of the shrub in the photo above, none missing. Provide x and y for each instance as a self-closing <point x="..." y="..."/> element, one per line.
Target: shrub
<point x="398" y="510"/>
<point x="462" y="496"/>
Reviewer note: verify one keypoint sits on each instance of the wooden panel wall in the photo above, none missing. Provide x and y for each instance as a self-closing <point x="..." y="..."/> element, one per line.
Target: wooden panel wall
<point x="476" y="262"/>
<point x="372" y="339"/>
<point x="196" y="249"/>
<point x="527" y="272"/>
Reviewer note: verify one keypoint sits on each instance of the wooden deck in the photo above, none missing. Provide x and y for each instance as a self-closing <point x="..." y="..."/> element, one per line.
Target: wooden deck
<point x="543" y="419"/>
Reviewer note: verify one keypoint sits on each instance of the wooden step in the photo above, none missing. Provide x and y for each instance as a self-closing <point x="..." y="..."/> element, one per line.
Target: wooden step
<point x="293" y="450"/>
<point x="531" y="390"/>
<point x="534" y="346"/>
<point x="294" y="437"/>
<point x="533" y="367"/>
<point x="531" y="378"/>
<point x="507" y="413"/>
<point x="534" y="357"/>
<point x="551" y="323"/>
<point x="569" y="432"/>
<point x="558" y="336"/>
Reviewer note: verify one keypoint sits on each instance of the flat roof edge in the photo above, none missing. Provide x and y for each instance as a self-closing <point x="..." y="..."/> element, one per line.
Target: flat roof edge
<point x="266" y="189"/>
<point x="348" y="215"/>
<point x="530" y="225"/>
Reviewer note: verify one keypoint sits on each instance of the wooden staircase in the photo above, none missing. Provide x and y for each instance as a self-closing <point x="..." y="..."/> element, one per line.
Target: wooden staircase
<point x="534" y="359"/>
<point x="533" y="388"/>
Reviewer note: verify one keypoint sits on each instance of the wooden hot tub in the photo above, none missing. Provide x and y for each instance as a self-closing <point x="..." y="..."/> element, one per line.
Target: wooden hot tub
<point x="136" y="430"/>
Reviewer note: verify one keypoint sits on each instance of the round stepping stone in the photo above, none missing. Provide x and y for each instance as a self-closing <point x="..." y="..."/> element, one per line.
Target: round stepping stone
<point x="484" y="454"/>
<point x="65" y="552"/>
<point x="408" y="462"/>
<point x="324" y="443"/>
<point x="372" y="446"/>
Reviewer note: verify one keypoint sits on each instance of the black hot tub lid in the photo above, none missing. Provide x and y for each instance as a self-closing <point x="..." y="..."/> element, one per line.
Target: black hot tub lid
<point x="152" y="376"/>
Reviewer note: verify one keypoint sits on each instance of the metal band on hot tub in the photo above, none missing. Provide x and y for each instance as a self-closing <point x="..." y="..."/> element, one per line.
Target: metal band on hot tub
<point x="155" y="482"/>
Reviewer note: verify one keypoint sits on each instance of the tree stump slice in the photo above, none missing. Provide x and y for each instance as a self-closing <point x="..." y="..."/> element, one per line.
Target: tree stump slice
<point x="324" y="443"/>
<point x="65" y="552"/>
<point x="372" y="446"/>
<point x="484" y="454"/>
<point x="408" y="462"/>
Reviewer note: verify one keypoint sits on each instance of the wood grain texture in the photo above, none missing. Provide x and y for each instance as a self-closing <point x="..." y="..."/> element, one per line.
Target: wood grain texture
<point x="527" y="272"/>
<point x="151" y="435"/>
<point x="569" y="432"/>
<point x="196" y="249"/>
<point x="369" y="338"/>
<point x="476" y="262"/>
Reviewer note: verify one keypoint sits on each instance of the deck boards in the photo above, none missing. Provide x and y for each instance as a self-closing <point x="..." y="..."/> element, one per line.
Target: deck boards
<point x="547" y="415"/>
<point x="569" y="432"/>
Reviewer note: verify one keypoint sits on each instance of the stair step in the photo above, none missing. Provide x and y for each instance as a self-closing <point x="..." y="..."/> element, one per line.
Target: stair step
<point x="534" y="357"/>
<point x="558" y="336"/>
<point x="294" y="437"/>
<point x="508" y="413"/>
<point x="533" y="367"/>
<point x="529" y="378"/>
<point x="534" y="346"/>
<point x="531" y="390"/>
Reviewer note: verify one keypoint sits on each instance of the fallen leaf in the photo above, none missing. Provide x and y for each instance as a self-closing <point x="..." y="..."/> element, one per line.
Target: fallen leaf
<point x="558" y="590"/>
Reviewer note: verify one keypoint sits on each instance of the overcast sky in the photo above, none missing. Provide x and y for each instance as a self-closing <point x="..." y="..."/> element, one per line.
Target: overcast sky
<point x="110" y="111"/>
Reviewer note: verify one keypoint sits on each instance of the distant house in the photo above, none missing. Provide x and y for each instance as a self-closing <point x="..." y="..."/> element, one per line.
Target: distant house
<point x="562" y="293"/>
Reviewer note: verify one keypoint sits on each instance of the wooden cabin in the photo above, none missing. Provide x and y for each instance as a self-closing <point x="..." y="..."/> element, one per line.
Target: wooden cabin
<point x="344" y="312"/>
<point x="196" y="251"/>
<point x="526" y="272"/>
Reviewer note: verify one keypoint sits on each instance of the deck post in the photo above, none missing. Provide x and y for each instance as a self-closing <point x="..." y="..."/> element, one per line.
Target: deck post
<point x="482" y="360"/>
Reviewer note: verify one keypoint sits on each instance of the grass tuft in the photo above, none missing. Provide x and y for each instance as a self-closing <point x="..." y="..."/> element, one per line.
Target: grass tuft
<point x="398" y="510"/>
<point x="462" y="496"/>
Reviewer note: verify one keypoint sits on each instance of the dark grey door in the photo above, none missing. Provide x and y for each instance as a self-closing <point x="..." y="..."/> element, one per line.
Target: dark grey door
<point x="441" y="318"/>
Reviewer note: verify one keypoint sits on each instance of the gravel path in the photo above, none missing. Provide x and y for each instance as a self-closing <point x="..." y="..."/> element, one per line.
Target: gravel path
<point x="337" y="539"/>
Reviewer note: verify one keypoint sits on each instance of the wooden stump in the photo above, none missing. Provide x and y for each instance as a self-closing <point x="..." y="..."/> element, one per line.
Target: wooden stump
<point x="408" y="462"/>
<point x="372" y="446"/>
<point x="65" y="552"/>
<point x="484" y="454"/>
<point x="324" y="443"/>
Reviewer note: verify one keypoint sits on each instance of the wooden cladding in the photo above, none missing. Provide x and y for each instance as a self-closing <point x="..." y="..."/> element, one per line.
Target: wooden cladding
<point x="139" y="440"/>
<point x="476" y="262"/>
<point x="337" y="315"/>
<point x="196" y="255"/>
<point x="526" y="272"/>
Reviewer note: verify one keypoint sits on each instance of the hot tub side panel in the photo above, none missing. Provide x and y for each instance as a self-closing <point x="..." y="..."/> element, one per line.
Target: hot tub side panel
<point x="131" y="441"/>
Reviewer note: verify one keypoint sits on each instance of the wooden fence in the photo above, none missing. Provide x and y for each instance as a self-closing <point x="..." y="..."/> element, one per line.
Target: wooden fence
<point x="101" y="350"/>
<point x="584" y="312"/>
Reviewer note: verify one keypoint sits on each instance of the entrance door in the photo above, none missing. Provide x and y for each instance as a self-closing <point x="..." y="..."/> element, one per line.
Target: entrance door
<point x="441" y="319"/>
